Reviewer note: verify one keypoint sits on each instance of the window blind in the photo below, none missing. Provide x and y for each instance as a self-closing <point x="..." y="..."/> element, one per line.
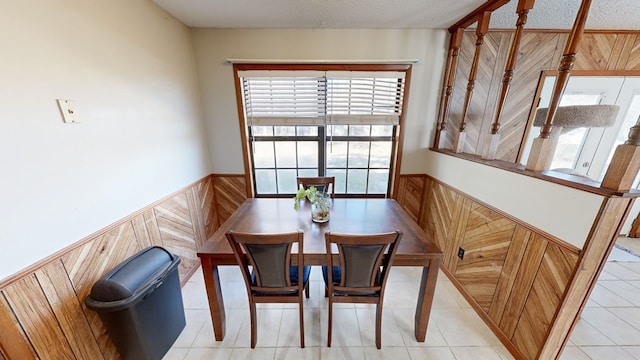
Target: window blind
<point x="316" y="98"/>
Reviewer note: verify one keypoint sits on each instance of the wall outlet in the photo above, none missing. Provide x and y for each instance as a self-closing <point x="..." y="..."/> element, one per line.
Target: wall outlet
<point x="461" y="253"/>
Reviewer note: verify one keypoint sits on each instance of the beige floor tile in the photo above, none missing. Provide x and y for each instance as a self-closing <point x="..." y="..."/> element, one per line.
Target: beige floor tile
<point x="605" y="297"/>
<point x="176" y="353"/>
<point x="289" y="335"/>
<point x="430" y="353"/>
<point x="624" y="290"/>
<point x="267" y="332"/>
<point x="503" y="352"/>
<point x="573" y="353"/>
<point x="346" y="331"/>
<point x="253" y="354"/>
<point x="620" y="271"/>
<point x="630" y="315"/>
<point x="633" y="351"/>
<point x="397" y="293"/>
<point x="475" y="353"/>
<point x="208" y="354"/>
<point x="235" y="320"/>
<point x="616" y="329"/>
<point x="463" y="327"/>
<point x="342" y="352"/>
<point x="386" y="353"/>
<point x="586" y="334"/>
<point x="606" y="352"/>
<point x="293" y="353"/>
<point x="405" y="322"/>
<point x="391" y="333"/>
<point x="195" y="319"/>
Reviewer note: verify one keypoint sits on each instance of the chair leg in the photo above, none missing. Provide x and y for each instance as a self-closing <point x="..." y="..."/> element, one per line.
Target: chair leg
<point x="301" y="308"/>
<point x="329" y="325"/>
<point x="254" y="325"/>
<point x="379" y="325"/>
<point x="306" y="290"/>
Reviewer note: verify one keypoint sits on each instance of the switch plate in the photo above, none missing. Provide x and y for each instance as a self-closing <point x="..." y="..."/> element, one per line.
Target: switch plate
<point x="461" y="253"/>
<point x="68" y="111"/>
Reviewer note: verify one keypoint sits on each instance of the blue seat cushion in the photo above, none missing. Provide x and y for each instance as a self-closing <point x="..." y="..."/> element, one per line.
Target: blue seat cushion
<point x="336" y="274"/>
<point x="293" y="274"/>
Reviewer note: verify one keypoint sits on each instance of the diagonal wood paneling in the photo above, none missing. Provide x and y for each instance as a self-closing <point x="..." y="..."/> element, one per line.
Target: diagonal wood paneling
<point x="633" y="63"/>
<point x="31" y="308"/>
<point x="594" y="51"/>
<point x="207" y="201"/>
<point x="176" y="230"/>
<point x="68" y="311"/>
<point x="146" y="229"/>
<point x="506" y="282"/>
<point x="13" y="340"/>
<point x="91" y="261"/>
<point x="486" y="242"/>
<point x="536" y="52"/>
<point x="439" y="212"/>
<point x="230" y="194"/>
<point x="535" y="249"/>
<point x="546" y="294"/>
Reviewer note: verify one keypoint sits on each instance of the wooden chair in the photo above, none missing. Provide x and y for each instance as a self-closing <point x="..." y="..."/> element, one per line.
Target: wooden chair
<point x="272" y="278"/>
<point x="321" y="183"/>
<point x="361" y="273"/>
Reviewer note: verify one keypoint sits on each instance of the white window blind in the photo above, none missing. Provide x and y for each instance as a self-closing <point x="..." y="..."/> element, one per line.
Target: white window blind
<point x="317" y="98"/>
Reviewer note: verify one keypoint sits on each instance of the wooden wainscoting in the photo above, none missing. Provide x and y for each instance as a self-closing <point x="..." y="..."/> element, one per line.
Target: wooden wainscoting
<point x="528" y="286"/>
<point x="42" y="311"/>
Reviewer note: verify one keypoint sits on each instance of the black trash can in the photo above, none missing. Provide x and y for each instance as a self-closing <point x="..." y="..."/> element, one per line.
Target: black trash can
<point x="140" y="304"/>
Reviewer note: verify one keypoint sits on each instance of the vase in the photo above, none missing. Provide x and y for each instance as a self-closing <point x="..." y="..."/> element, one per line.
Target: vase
<point x="320" y="209"/>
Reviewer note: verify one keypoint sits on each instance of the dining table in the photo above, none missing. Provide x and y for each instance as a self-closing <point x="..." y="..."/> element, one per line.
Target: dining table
<point x="347" y="215"/>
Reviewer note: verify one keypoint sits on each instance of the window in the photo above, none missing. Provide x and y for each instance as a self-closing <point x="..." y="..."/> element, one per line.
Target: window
<point x="319" y="122"/>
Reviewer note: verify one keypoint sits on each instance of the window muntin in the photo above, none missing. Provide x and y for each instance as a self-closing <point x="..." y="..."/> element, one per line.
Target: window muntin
<point x="361" y="163"/>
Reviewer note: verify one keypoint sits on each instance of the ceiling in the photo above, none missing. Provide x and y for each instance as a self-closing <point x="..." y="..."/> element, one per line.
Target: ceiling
<point x="392" y="14"/>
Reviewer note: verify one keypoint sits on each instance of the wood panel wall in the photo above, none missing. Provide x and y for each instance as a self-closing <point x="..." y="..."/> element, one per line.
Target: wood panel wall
<point x="528" y="286"/>
<point x="539" y="50"/>
<point x="42" y="311"/>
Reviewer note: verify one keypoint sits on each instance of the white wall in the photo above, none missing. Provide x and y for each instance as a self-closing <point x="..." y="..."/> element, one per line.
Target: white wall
<point x="562" y="212"/>
<point x="214" y="46"/>
<point x="129" y="67"/>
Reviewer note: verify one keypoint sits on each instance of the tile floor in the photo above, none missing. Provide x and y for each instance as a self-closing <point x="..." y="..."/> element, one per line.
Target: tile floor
<point x="609" y="328"/>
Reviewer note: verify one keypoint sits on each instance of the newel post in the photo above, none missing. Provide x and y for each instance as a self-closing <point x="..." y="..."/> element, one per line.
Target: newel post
<point x="542" y="145"/>
<point x="625" y="163"/>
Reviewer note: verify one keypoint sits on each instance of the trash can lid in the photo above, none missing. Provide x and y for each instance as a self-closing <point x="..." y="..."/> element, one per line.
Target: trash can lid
<point x="123" y="281"/>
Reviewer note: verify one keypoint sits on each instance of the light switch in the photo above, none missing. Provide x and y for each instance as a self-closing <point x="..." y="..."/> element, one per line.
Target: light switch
<point x="68" y="111"/>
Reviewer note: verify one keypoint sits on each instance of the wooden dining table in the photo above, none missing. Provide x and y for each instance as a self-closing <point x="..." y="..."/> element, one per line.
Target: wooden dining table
<point x="348" y="215"/>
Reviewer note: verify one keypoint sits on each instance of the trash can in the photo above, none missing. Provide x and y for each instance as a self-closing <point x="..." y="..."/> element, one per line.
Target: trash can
<point x="140" y="304"/>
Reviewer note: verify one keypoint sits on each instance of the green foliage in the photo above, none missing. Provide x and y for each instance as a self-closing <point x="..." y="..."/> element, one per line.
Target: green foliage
<point x="310" y="193"/>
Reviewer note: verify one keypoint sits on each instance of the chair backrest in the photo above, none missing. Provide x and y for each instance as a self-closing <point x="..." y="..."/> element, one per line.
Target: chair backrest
<point x="321" y="183"/>
<point x="364" y="266"/>
<point x="269" y="255"/>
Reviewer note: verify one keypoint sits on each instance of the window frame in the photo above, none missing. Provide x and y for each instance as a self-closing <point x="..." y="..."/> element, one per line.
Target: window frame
<point x="396" y="150"/>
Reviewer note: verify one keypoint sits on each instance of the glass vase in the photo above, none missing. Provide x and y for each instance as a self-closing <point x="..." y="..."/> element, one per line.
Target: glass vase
<point x="320" y="209"/>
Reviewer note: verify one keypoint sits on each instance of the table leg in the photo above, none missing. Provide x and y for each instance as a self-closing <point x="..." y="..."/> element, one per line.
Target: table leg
<point x="425" y="299"/>
<point x="214" y="294"/>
